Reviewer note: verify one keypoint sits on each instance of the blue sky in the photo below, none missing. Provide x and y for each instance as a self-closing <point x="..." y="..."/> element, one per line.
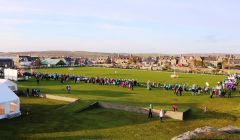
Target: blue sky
<point x="133" y="26"/>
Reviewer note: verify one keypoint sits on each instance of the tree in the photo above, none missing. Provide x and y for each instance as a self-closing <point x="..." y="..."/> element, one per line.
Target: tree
<point x="77" y="61"/>
<point x="132" y="60"/>
<point x="198" y="63"/>
<point x="37" y="63"/>
<point x="225" y="63"/>
<point x="108" y="61"/>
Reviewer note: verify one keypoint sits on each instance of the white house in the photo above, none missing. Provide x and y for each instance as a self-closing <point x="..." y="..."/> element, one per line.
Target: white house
<point x="9" y="103"/>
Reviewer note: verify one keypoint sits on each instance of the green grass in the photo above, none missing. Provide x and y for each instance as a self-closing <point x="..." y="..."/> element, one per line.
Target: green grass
<point x="49" y="119"/>
<point x="139" y="75"/>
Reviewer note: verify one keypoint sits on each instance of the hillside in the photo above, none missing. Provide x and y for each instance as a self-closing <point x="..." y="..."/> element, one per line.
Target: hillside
<point x="96" y="54"/>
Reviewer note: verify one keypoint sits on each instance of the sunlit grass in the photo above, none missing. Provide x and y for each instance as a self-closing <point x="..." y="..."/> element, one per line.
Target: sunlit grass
<point x="49" y="119"/>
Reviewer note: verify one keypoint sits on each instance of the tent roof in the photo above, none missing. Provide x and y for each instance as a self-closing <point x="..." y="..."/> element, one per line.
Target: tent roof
<point x="7" y="82"/>
<point x="52" y="61"/>
<point x="6" y="94"/>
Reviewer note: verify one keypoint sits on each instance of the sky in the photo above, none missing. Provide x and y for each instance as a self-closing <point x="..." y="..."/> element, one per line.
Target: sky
<point x="131" y="26"/>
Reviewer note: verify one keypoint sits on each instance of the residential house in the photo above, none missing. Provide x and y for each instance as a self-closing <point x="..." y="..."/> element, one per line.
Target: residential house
<point x="210" y="61"/>
<point x="186" y="61"/>
<point x="103" y="60"/>
<point x="6" y="63"/>
<point x="69" y="61"/>
<point x="148" y="61"/>
<point x="167" y="60"/>
<point x="122" y="60"/>
<point x="235" y="62"/>
<point x="198" y="62"/>
<point x="25" y="61"/>
<point x="82" y="61"/>
<point x="36" y="62"/>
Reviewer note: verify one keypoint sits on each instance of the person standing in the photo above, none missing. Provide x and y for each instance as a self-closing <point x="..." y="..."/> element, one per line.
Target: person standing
<point x="68" y="88"/>
<point x="229" y="91"/>
<point x="161" y="115"/>
<point x="130" y="85"/>
<point x="180" y="90"/>
<point x="205" y="109"/>
<point x="38" y="80"/>
<point x="238" y="88"/>
<point x="148" y="85"/>
<point x="75" y="80"/>
<point x="28" y="92"/>
<point x="174" y="106"/>
<point x="150" y="111"/>
<point x="211" y="93"/>
<point x="62" y="79"/>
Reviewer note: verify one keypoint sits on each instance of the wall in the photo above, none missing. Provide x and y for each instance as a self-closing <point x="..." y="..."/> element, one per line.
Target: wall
<point x="170" y="114"/>
<point x="60" y="98"/>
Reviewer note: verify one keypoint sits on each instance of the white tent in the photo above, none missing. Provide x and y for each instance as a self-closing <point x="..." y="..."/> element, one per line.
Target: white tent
<point x="10" y="84"/>
<point x="9" y="103"/>
<point x="11" y="74"/>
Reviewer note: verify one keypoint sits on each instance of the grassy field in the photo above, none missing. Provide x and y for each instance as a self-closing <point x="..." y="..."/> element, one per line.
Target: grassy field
<point x="49" y="119"/>
<point x="139" y="75"/>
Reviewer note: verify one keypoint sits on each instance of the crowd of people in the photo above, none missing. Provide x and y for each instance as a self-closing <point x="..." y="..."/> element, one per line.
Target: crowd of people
<point x="94" y="80"/>
<point x="34" y="92"/>
<point x="226" y="87"/>
<point x="222" y="89"/>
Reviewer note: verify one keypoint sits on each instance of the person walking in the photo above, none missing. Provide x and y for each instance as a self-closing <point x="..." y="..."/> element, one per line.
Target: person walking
<point x="150" y="111"/>
<point x="28" y="92"/>
<point x="161" y="115"/>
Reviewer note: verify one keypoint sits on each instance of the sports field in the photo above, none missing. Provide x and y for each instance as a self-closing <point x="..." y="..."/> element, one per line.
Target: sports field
<point x="49" y="119"/>
<point x="139" y="75"/>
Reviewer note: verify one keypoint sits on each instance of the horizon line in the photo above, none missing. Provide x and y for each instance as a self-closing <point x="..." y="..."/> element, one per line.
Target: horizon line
<point x="114" y="52"/>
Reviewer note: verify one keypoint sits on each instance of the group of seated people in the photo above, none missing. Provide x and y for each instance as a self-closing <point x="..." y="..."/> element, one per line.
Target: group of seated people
<point x="35" y="92"/>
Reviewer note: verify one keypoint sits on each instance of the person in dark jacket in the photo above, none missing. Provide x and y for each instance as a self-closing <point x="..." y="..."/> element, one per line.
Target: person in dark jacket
<point x="150" y="111"/>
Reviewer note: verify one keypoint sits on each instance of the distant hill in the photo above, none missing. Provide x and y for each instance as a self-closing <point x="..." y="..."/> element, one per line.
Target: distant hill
<point x="96" y="54"/>
<point x="57" y="53"/>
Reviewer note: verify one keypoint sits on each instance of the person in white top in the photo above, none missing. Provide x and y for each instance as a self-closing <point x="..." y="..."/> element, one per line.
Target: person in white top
<point x="161" y="115"/>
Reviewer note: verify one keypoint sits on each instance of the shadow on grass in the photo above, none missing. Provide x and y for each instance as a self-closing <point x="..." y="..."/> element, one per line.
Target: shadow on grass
<point x="104" y="93"/>
<point x="81" y="137"/>
<point x="236" y="96"/>
<point x="199" y="114"/>
<point x="49" y="119"/>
